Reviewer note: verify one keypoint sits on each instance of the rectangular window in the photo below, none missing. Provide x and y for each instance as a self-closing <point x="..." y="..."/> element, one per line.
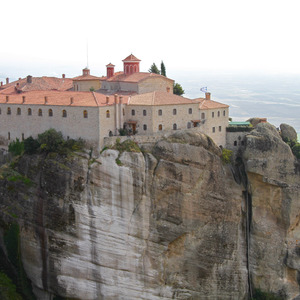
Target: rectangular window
<point x="160" y="112"/>
<point x="220" y="128"/>
<point x="144" y="112"/>
<point x="212" y="114"/>
<point x="214" y="129"/>
<point x="224" y="113"/>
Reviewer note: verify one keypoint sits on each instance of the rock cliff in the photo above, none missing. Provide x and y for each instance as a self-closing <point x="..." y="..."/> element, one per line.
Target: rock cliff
<point x="173" y="222"/>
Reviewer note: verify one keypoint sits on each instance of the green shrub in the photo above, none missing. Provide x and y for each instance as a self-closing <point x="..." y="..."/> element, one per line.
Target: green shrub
<point x="31" y="145"/>
<point x="8" y="289"/>
<point x="226" y="156"/>
<point x="16" y="147"/>
<point x="126" y="146"/>
<point x="296" y="150"/>
<point x="260" y="295"/>
<point x="50" y="140"/>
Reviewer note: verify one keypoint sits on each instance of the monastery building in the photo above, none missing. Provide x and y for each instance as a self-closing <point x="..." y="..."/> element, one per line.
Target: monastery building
<point x="92" y="108"/>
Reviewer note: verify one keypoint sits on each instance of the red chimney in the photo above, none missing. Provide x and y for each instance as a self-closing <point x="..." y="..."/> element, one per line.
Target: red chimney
<point x="63" y="76"/>
<point x="86" y="72"/>
<point x="110" y="70"/>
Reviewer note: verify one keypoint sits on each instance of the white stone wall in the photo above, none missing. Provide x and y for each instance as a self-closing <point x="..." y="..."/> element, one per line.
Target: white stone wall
<point x="152" y="119"/>
<point x="86" y="85"/>
<point x="214" y="124"/>
<point x="74" y="125"/>
<point x="155" y="84"/>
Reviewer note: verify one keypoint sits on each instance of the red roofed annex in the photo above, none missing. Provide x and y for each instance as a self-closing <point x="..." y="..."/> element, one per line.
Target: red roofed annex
<point x="94" y="107"/>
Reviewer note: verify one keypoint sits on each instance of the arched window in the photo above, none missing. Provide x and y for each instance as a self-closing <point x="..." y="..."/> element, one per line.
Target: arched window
<point x="144" y="112"/>
<point x="40" y="112"/>
<point x="131" y="69"/>
<point x="174" y="126"/>
<point x="8" y="136"/>
<point x="133" y="112"/>
<point x="85" y="114"/>
<point x="64" y="113"/>
<point x="107" y="114"/>
<point x="160" y="127"/>
<point x="220" y="128"/>
<point x="19" y="111"/>
<point x="214" y="129"/>
<point x="224" y="113"/>
<point x="213" y="114"/>
<point x="8" y="111"/>
<point x="202" y="116"/>
<point x="174" y="111"/>
<point x="29" y="112"/>
<point x="189" y="125"/>
<point x="218" y="113"/>
<point x="145" y="127"/>
<point x="160" y="112"/>
<point x="190" y="111"/>
<point x="50" y="112"/>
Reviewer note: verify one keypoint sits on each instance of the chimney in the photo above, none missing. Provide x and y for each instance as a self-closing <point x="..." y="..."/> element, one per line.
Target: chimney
<point x="116" y="98"/>
<point x="29" y="79"/>
<point x="207" y="96"/>
<point x="7" y="98"/>
<point x="23" y="99"/>
<point x="71" y="100"/>
<point x="63" y="76"/>
<point x="110" y="70"/>
<point x="86" y="72"/>
<point x="107" y="99"/>
<point x="20" y="78"/>
<point x="46" y="99"/>
<point x="168" y="89"/>
<point x="7" y="80"/>
<point x="1" y="83"/>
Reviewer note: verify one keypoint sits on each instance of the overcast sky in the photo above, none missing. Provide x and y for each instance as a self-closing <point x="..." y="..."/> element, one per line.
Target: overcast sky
<point x="51" y="37"/>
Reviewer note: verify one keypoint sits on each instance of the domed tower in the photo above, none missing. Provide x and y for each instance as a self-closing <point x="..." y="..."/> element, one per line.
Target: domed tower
<point x="131" y="65"/>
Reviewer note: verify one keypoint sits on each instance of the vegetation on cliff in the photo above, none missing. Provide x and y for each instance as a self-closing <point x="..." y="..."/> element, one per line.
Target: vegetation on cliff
<point x="48" y="141"/>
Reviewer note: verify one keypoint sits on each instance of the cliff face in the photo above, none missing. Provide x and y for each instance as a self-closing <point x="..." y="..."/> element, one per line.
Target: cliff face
<point x="167" y="224"/>
<point x="274" y="185"/>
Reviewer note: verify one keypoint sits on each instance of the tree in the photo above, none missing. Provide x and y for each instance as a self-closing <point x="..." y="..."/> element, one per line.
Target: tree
<point x="163" y="69"/>
<point x="50" y="140"/>
<point x="177" y="89"/>
<point x="31" y="145"/>
<point x="154" y="69"/>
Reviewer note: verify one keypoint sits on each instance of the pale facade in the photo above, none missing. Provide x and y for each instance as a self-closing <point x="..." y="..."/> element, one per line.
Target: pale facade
<point x="146" y="106"/>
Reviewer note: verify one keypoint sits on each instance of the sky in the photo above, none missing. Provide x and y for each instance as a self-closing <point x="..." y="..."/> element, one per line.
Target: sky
<point x="60" y="36"/>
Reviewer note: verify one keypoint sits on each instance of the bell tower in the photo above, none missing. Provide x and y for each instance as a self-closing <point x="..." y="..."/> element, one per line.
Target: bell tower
<point x="131" y="65"/>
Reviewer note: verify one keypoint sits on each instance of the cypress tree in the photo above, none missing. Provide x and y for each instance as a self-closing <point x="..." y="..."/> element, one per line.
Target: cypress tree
<point x="163" y="69"/>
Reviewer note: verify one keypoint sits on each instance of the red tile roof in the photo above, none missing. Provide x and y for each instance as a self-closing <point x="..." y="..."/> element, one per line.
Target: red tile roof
<point x="158" y="98"/>
<point x="89" y="99"/>
<point x="131" y="58"/>
<point x="210" y="104"/>
<point x="39" y="84"/>
<point x="86" y="77"/>
<point x="135" y="77"/>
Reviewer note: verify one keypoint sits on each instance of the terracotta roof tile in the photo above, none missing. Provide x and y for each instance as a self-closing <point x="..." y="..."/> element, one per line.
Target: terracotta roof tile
<point x="135" y="77"/>
<point x="131" y="58"/>
<point x="210" y="104"/>
<point x="158" y="98"/>
<point x="41" y="83"/>
<point x="86" y="77"/>
<point x="89" y="99"/>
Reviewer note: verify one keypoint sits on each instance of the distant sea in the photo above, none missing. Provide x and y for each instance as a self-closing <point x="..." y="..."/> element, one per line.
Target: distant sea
<point x="275" y="97"/>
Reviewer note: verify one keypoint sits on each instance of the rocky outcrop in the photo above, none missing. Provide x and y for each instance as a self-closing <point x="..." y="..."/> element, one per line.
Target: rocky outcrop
<point x="288" y="133"/>
<point x="169" y="223"/>
<point x="274" y="186"/>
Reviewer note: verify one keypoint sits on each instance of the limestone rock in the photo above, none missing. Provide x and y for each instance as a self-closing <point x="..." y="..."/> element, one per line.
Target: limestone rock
<point x="288" y="132"/>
